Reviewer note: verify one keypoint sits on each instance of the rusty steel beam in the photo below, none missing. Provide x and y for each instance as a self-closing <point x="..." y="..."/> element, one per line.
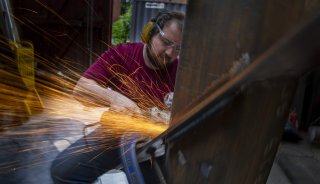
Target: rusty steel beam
<point x="290" y="57"/>
<point x="230" y="134"/>
<point x="293" y="55"/>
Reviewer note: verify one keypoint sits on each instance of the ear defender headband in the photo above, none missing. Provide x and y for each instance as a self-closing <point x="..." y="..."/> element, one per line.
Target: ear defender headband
<point x="150" y="28"/>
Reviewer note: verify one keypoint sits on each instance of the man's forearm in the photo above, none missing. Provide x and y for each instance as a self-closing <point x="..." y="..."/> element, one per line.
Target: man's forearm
<point x="89" y="91"/>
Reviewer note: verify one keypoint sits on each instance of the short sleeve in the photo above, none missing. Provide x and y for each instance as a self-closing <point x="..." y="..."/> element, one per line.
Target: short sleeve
<point x="107" y="66"/>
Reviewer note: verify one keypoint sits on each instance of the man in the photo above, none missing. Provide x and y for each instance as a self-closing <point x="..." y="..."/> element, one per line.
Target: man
<point x="128" y="77"/>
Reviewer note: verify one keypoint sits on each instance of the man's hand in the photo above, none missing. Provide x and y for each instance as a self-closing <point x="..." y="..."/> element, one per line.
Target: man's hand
<point x="123" y="103"/>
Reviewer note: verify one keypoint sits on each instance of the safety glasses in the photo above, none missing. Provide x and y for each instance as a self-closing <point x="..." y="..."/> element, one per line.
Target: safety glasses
<point x="166" y="42"/>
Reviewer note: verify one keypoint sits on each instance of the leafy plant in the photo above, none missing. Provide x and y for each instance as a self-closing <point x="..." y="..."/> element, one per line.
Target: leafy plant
<point x="121" y="27"/>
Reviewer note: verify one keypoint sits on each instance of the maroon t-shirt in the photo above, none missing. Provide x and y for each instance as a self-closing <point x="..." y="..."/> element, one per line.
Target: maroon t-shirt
<point x="122" y="68"/>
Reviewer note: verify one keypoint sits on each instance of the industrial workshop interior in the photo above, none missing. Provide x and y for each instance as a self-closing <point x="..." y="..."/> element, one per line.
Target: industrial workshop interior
<point x="245" y="107"/>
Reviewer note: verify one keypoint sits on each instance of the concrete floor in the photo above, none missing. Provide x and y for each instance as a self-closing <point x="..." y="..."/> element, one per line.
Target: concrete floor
<point x="296" y="163"/>
<point x="25" y="159"/>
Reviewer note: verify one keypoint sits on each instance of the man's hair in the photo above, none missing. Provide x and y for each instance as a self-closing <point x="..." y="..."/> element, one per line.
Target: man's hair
<point x="163" y="17"/>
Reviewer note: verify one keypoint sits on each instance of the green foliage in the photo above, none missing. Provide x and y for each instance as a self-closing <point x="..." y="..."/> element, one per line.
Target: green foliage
<point x="121" y="27"/>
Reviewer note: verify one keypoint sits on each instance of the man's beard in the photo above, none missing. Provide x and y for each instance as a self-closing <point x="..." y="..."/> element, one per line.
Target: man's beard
<point x="156" y="61"/>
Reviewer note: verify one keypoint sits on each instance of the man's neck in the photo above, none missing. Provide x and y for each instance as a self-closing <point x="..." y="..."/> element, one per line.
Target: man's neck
<point x="147" y="59"/>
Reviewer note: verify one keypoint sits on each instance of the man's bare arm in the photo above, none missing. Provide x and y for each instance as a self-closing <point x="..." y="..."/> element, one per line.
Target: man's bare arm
<point x="89" y="92"/>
